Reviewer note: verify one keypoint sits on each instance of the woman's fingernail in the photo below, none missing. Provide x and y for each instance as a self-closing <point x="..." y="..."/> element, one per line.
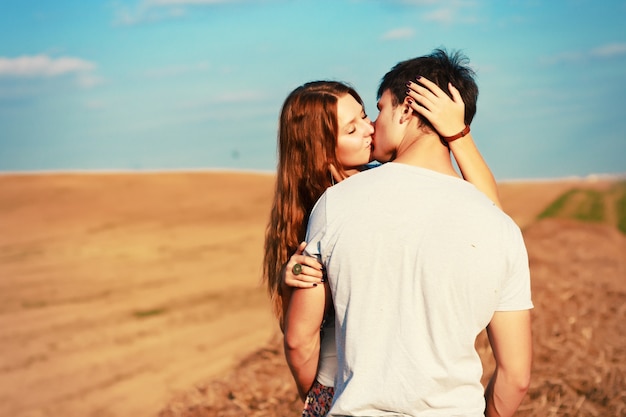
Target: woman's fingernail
<point x="419" y="77"/>
<point x="408" y="92"/>
<point x="314" y="284"/>
<point x="410" y="101"/>
<point x="408" y="84"/>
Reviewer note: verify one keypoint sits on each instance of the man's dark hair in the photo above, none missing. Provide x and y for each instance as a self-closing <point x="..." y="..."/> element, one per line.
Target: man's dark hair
<point x="440" y="68"/>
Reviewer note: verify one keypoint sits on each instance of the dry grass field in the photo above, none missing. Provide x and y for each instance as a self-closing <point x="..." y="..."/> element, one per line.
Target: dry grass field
<point x="138" y="295"/>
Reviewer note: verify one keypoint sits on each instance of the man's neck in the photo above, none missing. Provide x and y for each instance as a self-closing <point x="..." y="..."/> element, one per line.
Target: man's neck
<point x="425" y="150"/>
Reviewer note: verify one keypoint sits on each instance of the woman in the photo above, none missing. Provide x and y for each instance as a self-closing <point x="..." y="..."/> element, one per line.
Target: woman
<point x="312" y="157"/>
<point x="324" y="137"/>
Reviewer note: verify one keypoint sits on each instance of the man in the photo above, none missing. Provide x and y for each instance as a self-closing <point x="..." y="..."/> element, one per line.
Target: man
<point x="419" y="262"/>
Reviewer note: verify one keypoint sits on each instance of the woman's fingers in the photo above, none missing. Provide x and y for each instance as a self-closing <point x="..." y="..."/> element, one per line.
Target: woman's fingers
<point x="309" y="277"/>
<point x="300" y="249"/>
<point x="307" y="266"/>
<point x="303" y="271"/>
<point x="421" y="95"/>
<point x="444" y="113"/>
<point x="431" y="86"/>
<point x="430" y="92"/>
<point x="456" y="95"/>
<point x="298" y="257"/>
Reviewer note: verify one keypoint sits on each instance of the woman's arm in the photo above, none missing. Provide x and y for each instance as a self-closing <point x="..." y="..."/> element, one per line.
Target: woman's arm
<point x="311" y="276"/>
<point x="303" y="320"/>
<point x="447" y="116"/>
<point x="474" y="168"/>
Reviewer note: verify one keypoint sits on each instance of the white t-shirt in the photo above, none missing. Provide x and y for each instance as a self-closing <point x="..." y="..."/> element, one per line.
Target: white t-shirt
<point x="417" y="263"/>
<point x="327" y="366"/>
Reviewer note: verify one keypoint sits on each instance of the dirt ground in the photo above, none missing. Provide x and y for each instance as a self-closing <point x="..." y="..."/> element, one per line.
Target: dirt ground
<point x="138" y="295"/>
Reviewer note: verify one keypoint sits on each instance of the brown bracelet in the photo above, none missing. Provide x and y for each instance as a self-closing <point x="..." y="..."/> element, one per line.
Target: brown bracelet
<point x="462" y="133"/>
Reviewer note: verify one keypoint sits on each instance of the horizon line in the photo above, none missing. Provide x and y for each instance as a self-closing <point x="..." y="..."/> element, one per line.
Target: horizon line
<point x="588" y="177"/>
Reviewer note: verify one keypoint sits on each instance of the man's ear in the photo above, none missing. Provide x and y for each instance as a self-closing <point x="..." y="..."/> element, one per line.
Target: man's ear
<point x="406" y="111"/>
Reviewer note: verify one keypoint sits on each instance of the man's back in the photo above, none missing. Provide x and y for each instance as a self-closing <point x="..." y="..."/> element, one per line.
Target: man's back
<point x="417" y="264"/>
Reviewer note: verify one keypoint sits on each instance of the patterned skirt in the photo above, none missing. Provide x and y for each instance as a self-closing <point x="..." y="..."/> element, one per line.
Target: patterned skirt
<point x="318" y="400"/>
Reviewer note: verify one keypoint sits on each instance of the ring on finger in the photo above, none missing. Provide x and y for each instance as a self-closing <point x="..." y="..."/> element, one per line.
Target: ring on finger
<point x="297" y="269"/>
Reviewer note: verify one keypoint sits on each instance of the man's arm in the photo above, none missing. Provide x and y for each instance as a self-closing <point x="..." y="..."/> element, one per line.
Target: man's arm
<point x="511" y="341"/>
<point x="303" y="320"/>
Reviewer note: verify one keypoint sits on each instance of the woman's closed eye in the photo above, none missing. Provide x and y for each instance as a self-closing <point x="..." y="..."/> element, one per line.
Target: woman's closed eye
<point x="352" y="128"/>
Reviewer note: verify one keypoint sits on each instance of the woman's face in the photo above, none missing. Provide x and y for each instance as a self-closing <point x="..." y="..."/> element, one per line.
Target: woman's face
<point x="354" y="142"/>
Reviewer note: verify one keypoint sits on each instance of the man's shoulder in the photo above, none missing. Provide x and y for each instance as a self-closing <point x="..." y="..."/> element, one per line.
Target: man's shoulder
<point x="359" y="180"/>
<point x="472" y="199"/>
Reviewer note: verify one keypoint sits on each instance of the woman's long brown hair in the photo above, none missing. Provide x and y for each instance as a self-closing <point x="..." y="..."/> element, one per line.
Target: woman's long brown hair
<point x="307" y="138"/>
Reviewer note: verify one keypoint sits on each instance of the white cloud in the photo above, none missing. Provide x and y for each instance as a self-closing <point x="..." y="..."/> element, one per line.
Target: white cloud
<point x="399" y="33"/>
<point x="600" y="52"/>
<point x="445" y="15"/>
<point x="221" y="101"/>
<point x="43" y="66"/>
<point x="94" y="105"/>
<point x="177" y="70"/>
<point x="156" y="10"/>
<point x="145" y="12"/>
<point x="185" y="2"/>
<point x="418" y="2"/>
<point x="568" y="56"/>
<point x="446" y="12"/>
<point x="236" y="97"/>
<point x="612" y="49"/>
<point x="454" y="12"/>
<point x="89" y="80"/>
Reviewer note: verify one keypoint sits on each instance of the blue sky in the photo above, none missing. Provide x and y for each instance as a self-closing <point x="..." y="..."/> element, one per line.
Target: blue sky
<point x="196" y="84"/>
